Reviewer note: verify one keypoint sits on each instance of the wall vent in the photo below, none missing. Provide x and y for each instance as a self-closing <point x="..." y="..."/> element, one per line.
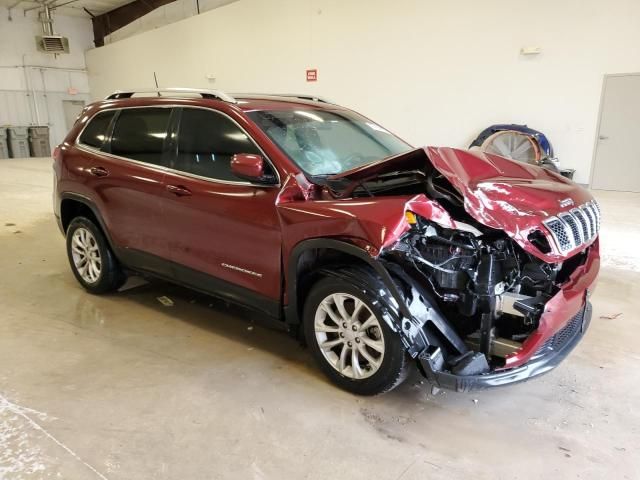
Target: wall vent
<point x="52" y="44"/>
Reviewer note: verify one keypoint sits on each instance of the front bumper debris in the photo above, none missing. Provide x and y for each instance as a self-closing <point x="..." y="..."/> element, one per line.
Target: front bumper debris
<point x="548" y="356"/>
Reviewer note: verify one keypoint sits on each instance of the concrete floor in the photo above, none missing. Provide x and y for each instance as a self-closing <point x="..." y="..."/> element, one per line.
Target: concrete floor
<point x="122" y="387"/>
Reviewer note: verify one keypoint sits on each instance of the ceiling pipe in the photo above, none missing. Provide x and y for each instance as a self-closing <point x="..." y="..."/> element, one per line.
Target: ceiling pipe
<point x="43" y="67"/>
<point x="46" y="20"/>
<point x="29" y="85"/>
<point x="11" y="7"/>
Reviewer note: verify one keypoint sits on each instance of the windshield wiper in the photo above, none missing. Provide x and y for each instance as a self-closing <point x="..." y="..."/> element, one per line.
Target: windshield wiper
<point x="398" y="174"/>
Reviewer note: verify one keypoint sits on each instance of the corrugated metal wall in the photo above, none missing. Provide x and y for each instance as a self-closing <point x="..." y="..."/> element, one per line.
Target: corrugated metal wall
<point x="33" y="96"/>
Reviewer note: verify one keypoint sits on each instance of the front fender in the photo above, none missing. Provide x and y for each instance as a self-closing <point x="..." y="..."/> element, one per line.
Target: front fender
<point x="407" y="304"/>
<point x="341" y="246"/>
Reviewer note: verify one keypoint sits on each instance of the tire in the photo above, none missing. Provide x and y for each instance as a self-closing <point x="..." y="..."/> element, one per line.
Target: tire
<point x="392" y="363"/>
<point x="101" y="272"/>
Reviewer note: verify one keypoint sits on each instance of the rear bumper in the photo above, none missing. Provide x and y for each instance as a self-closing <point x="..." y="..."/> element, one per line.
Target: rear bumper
<point x="548" y="356"/>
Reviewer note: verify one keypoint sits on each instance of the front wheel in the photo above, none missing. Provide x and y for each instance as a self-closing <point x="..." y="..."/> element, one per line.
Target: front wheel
<point x="349" y="339"/>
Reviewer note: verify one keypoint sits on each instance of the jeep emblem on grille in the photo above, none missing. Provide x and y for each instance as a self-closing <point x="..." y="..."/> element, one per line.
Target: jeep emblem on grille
<point x="567" y="202"/>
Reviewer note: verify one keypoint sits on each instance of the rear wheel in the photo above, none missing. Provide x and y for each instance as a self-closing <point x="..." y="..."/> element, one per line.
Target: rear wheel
<point x="349" y="339"/>
<point x="91" y="259"/>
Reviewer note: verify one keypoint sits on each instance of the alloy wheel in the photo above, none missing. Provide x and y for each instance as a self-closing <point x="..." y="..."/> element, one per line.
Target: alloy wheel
<point x="349" y="336"/>
<point x="86" y="255"/>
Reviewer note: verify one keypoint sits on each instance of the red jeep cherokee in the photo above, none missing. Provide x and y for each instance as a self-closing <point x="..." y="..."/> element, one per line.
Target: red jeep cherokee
<point x="381" y="255"/>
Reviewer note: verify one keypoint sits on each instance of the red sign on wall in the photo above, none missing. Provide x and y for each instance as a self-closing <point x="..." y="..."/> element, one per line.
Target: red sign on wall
<point x="312" y="75"/>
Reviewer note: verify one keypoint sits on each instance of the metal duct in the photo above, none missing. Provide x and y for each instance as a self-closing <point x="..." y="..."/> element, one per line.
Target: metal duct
<point x="48" y="42"/>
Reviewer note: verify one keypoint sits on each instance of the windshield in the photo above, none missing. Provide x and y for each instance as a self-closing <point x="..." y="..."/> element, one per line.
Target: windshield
<point x="324" y="142"/>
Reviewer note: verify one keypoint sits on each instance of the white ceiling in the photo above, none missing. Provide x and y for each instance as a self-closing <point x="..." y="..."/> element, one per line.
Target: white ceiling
<point x="75" y="8"/>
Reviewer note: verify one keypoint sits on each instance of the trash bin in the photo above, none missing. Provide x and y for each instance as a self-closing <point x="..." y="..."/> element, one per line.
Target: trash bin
<point x="39" y="141"/>
<point x="18" y="141"/>
<point x="4" y="148"/>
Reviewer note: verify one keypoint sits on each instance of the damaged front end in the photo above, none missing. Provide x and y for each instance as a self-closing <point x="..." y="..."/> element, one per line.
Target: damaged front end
<point x="509" y="315"/>
<point x="496" y="287"/>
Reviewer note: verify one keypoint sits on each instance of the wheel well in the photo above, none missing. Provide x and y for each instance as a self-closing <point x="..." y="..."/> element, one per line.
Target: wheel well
<point x="70" y="209"/>
<point x="307" y="271"/>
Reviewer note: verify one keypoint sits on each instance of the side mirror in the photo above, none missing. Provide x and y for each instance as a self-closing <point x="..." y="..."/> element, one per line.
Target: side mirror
<point x="250" y="167"/>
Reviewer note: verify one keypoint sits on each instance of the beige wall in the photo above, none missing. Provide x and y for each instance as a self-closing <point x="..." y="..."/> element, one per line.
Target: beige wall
<point x="434" y="72"/>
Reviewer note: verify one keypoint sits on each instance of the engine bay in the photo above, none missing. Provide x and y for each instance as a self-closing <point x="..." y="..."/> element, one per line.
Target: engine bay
<point x="490" y="290"/>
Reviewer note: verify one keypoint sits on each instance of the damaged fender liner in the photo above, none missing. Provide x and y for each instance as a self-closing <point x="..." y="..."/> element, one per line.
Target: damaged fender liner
<point x="545" y="360"/>
<point x="405" y="316"/>
<point x="409" y="329"/>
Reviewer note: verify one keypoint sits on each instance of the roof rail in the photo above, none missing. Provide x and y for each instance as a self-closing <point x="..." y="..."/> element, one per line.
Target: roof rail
<point x="312" y="98"/>
<point x="210" y="94"/>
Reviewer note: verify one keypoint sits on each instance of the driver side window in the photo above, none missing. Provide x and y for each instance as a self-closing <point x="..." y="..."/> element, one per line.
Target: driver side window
<point x="207" y="141"/>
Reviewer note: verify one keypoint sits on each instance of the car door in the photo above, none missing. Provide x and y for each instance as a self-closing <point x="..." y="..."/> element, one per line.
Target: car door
<point x="127" y="180"/>
<point x="223" y="232"/>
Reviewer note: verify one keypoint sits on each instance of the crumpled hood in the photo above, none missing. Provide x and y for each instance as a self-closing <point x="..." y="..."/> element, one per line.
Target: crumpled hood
<point x="498" y="192"/>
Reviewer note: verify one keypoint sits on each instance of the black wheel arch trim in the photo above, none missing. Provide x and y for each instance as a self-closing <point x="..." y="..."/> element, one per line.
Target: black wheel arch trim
<point x="411" y="316"/>
<point x="94" y="209"/>
<point x="292" y="309"/>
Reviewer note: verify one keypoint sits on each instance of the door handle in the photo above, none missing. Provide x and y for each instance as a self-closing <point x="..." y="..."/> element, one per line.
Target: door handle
<point x="179" y="191"/>
<point x="99" y="171"/>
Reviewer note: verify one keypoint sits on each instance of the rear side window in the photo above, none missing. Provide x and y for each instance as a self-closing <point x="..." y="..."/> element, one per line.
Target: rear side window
<point x="207" y="141"/>
<point x="95" y="133"/>
<point x="140" y="133"/>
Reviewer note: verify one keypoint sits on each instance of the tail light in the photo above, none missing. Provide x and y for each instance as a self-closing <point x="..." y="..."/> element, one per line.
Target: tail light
<point x="56" y="154"/>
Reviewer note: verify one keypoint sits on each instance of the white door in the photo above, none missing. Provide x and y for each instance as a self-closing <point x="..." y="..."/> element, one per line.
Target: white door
<point x="72" y="108"/>
<point x="617" y="159"/>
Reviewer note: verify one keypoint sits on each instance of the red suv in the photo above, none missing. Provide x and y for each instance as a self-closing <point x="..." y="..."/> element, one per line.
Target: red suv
<point x="378" y="254"/>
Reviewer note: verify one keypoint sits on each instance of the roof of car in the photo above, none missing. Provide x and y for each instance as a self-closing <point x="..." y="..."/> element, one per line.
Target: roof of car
<point x="245" y="101"/>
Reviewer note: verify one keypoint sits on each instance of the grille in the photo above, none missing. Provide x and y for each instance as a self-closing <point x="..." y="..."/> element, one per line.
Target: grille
<point x="572" y="229"/>
<point x="591" y="217"/>
<point x="596" y="210"/>
<point x="564" y="335"/>
<point x="567" y="332"/>
<point x="559" y="232"/>
<point x="583" y="222"/>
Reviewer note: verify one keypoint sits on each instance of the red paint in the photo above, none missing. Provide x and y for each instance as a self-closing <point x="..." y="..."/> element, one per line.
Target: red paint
<point x="128" y="198"/>
<point x="246" y="165"/>
<point x="256" y="227"/>
<point x="312" y="75"/>
<point x="562" y="307"/>
<point x="499" y="193"/>
<point x="224" y="224"/>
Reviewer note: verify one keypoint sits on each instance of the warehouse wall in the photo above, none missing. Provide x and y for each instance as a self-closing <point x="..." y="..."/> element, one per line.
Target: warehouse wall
<point x="33" y="94"/>
<point x="433" y="72"/>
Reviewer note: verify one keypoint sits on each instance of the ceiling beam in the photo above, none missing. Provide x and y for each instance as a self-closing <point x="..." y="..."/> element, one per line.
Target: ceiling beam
<point x="109" y="22"/>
